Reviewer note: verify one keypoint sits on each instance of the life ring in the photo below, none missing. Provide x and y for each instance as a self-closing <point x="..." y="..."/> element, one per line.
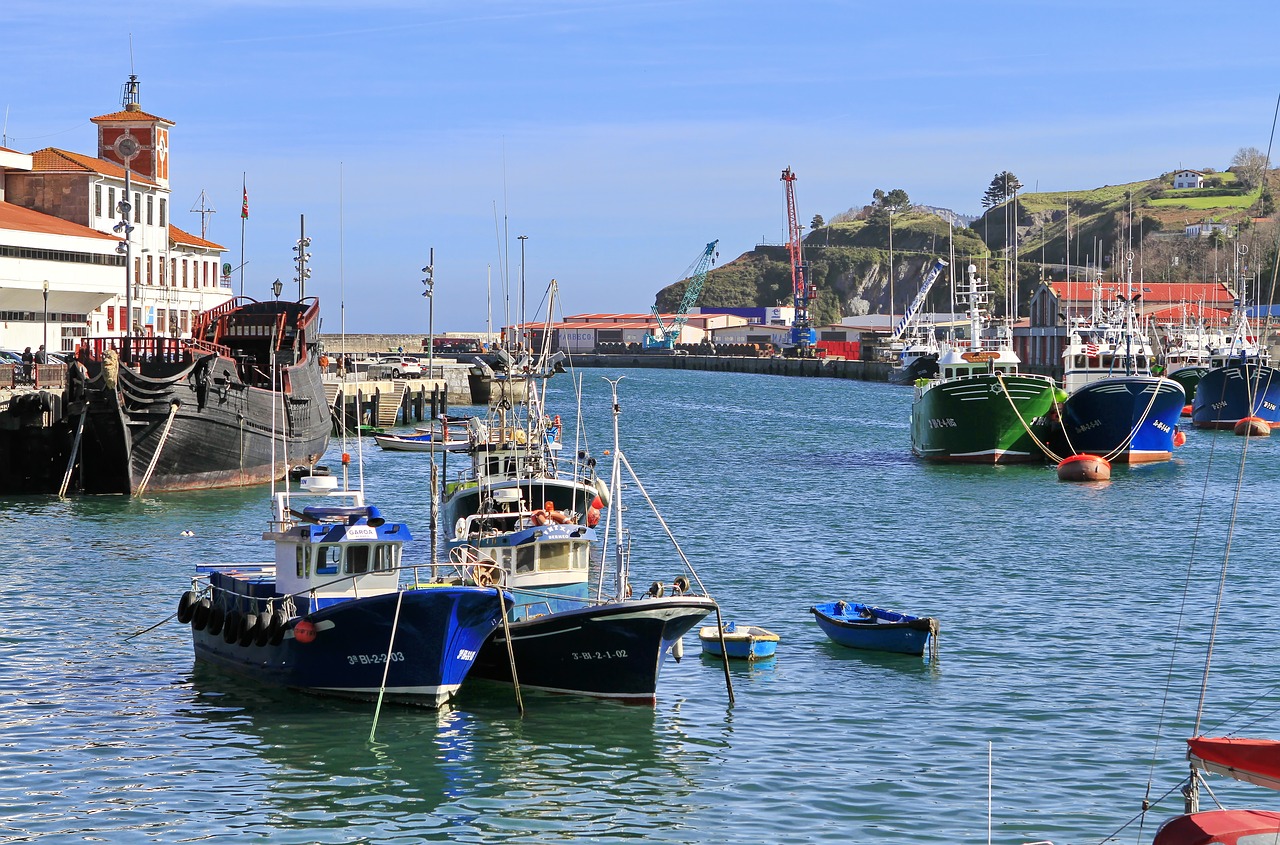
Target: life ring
<point x="559" y="516"/>
<point x="593" y="517"/>
<point x="540" y="517"/>
<point x="459" y="527"/>
<point x="200" y="615"/>
<point x="231" y="627"/>
<point x="187" y="606"/>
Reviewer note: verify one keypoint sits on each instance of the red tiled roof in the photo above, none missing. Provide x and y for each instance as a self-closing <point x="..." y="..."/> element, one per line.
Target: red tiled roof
<point x="180" y="237"/>
<point x="1176" y="313"/>
<point x="7" y="150"/>
<point x="1151" y="291"/>
<point x="17" y="218"/>
<point x="53" y="160"/>
<point x="126" y="115"/>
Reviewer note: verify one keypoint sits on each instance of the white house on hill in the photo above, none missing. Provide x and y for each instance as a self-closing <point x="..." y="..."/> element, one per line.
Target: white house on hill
<point x="1188" y="179"/>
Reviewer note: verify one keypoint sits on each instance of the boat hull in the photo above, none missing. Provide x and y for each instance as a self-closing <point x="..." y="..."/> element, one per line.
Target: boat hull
<point x="746" y="643"/>
<point x="1226" y="395"/>
<point x="439" y="631"/>
<point x="982" y="419"/>
<point x="612" y="650"/>
<point x="1189" y="377"/>
<point x="1124" y="419"/>
<point x="879" y="630"/>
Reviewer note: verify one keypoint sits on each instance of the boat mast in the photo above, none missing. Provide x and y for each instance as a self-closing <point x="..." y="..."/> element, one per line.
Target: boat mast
<point x="615" y="496"/>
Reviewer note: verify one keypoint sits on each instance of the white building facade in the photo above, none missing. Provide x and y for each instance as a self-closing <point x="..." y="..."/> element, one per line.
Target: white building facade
<point x="63" y="223"/>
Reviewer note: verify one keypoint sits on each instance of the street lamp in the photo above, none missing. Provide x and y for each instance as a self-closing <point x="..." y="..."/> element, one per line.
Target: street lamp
<point x="430" y="283"/>
<point x="46" y="320"/>
<point x="276" y="287"/>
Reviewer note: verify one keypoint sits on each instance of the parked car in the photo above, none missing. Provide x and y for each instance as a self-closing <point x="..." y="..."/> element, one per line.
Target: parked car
<point x="396" y="366"/>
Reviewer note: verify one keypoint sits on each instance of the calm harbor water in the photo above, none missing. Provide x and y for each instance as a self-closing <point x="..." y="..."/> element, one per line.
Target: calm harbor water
<point x="1059" y="605"/>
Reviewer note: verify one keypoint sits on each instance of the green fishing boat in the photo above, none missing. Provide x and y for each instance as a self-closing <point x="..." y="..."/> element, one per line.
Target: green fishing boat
<point x="980" y="409"/>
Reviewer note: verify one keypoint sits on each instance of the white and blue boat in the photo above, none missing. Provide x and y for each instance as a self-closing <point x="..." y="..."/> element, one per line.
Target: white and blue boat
<point x="1115" y="407"/>
<point x="871" y="628"/>
<point x="330" y="614"/>
<point x="565" y="634"/>
<point x="740" y="642"/>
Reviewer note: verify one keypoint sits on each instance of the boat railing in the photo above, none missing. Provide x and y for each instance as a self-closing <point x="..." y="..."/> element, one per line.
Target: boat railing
<point x="134" y="350"/>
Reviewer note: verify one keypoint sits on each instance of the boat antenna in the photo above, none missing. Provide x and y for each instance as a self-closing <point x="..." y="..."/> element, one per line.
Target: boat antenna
<point x="342" y="329"/>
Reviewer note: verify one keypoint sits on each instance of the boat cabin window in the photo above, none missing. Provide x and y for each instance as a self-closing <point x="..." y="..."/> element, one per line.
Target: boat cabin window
<point x="384" y="557"/>
<point x="328" y="558"/>
<point x="357" y="560"/>
<point x="525" y="557"/>
<point x="302" y="558"/>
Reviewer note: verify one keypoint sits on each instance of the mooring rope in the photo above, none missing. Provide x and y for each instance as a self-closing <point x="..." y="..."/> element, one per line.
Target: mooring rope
<point x="155" y="456"/>
<point x="1043" y="446"/>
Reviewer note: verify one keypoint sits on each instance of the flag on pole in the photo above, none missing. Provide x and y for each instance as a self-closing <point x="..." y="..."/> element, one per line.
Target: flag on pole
<point x="244" y="206"/>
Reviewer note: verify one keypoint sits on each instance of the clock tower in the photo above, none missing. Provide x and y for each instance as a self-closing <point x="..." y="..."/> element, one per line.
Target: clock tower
<point x="134" y="139"/>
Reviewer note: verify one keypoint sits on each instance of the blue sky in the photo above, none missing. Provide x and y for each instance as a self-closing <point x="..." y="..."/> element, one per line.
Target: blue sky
<point x="620" y="137"/>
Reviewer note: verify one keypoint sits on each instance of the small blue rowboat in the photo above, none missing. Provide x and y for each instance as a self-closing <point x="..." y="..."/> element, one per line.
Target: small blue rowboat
<point x="746" y="642"/>
<point x="863" y="626"/>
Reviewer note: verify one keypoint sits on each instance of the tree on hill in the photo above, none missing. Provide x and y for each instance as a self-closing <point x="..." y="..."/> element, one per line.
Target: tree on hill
<point x="1249" y="163"/>
<point x="1003" y="186"/>
<point x="817" y="222"/>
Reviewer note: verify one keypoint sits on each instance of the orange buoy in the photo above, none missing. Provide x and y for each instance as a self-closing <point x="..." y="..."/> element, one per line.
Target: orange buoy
<point x="1179" y="438"/>
<point x="1084" y="468"/>
<point x="1253" y="427"/>
<point x="304" y="631"/>
<point x="1186" y="410"/>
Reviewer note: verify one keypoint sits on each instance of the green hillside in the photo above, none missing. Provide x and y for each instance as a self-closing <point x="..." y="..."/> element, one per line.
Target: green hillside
<point x="849" y="259"/>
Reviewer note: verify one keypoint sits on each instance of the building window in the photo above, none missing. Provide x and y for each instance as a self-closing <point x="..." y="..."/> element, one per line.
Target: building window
<point x="184" y="272"/>
<point x="163" y="277"/>
<point x="111" y="203"/>
<point x="149" y="199"/>
<point x="148" y="269"/>
<point x="137" y="269"/>
<point x="204" y="283"/>
<point x="183" y="315"/>
<point x="97" y="200"/>
<point x="137" y="208"/>
<point x="173" y="271"/>
<point x="162" y="209"/>
<point x="137" y="319"/>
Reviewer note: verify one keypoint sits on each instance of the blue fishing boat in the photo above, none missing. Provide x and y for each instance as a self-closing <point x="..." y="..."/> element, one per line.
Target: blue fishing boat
<point x="743" y="642"/>
<point x="563" y="634"/>
<point x="329" y="615"/>
<point x="1115" y="407"/>
<point x="1240" y="382"/>
<point x="864" y="626"/>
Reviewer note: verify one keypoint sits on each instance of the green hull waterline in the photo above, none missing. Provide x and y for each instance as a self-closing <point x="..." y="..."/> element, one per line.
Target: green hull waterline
<point x="972" y="419"/>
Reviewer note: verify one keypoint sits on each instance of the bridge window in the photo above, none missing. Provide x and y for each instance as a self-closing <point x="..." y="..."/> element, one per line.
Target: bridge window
<point x="357" y="560"/>
<point x="302" y="559"/>
<point x="328" y="559"/>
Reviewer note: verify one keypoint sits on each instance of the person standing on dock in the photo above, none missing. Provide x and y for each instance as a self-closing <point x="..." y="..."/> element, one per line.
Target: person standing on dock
<point x="28" y="362"/>
<point x="42" y="357"/>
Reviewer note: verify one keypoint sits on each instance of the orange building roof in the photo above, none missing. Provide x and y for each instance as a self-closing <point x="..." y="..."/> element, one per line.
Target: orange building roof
<point x="178" y="236"/>
<point x="127" y="115"/>
<point x="17" y="218"/>
<point x="1152" y="292"/>
<point x="53" y="160"/>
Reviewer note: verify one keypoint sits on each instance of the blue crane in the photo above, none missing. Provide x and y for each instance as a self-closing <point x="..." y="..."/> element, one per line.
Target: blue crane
<point x="665" y="336"/>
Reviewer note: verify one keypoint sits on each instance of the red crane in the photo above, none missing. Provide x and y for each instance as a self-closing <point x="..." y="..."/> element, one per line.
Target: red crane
<point x="802" y="334"/>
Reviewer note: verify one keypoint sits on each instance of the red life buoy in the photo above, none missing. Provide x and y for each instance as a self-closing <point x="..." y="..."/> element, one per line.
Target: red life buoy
<point x="304" y="631"/>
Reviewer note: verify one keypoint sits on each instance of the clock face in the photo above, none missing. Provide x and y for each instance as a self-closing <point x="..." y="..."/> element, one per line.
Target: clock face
<point x="127" y="147"/>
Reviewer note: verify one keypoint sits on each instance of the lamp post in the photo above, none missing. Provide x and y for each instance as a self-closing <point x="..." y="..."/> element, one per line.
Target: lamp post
<point x="429" y="282"/>
<point x="46" y="320"/>
<point x="276" y="287"/>
<point x="891" y="309"/>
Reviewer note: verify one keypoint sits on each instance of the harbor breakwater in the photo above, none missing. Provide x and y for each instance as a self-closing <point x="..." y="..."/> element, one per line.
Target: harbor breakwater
<point x="775" y="366"/>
